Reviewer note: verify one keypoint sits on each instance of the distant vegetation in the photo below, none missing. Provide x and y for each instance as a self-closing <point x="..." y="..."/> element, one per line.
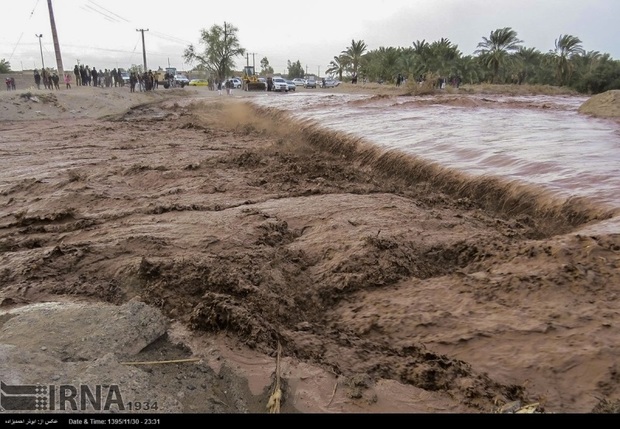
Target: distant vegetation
<point x="500" y="58"/>
<point x="5" y="66"/>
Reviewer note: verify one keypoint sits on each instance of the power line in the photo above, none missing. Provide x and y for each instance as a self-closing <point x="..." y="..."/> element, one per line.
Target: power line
<point x="22" y="35"/>
<point x="107" y="17"/>
<point x="33" y="9"/>
<point x="109" y="11"/>
<point x="170" y="38"/>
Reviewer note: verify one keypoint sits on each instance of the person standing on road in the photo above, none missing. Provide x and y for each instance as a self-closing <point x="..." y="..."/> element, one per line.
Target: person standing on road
<point x="95" y="76"/>
<point x="37" y="79"/>
<point x="132" y="82"/>
<point x="76" y="73"/>
<point x="56" y="80"/>
<point x="68" y="80"/>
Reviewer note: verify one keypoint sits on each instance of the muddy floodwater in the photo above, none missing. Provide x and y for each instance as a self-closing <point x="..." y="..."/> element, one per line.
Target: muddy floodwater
<point x="538" y="140"/>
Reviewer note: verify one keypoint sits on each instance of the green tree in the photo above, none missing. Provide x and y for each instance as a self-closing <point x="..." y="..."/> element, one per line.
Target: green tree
<point x="337" y="66"/>
<point x="566" y="47"/>
<point x="5" y="66"/>
<point x="221" y="48"/>
<point x="265" y="68"/>
<point x="528" y="59"/>
<point x="354" y="54"/>
<point x="494" y="50"/>
<point x="137" y="68"/>
<point x="597" y="73"/>
<point x="295" y="70"/>
<point x="468" y="69"/>
<point x="421" y="48"/>
<point x="388" y="63"/>
<point x="442" y="56"/>
<point x="409" y="64"/>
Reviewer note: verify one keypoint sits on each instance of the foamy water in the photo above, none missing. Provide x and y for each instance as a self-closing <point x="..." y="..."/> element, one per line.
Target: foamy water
<point x="539" y="140"/>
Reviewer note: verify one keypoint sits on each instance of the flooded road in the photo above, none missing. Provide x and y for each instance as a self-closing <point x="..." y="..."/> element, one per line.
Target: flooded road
<point x="538" y="140"/>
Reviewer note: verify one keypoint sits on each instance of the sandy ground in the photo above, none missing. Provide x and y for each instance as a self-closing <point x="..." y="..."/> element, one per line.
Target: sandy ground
<point x="267" y="254"/>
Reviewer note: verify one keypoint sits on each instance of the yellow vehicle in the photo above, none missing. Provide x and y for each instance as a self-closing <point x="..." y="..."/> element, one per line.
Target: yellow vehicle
<point x="198" y="82"/>
<point x="250" y="80"/>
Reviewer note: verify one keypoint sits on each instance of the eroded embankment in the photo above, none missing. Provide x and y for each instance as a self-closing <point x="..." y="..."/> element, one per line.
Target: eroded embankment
<point x="280" y="286"/>
<point x="502" y="197"/>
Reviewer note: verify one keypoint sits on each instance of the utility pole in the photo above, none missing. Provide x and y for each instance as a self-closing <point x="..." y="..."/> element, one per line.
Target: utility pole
<point x="253" y="58"/>
<point x="319" y="75"/>
<point x="143" y="48"/>
<point x="61" y="71"/>
<point x="41" y="47"/>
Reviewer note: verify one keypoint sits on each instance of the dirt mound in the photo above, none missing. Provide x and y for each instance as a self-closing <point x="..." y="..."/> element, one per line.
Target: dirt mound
<point x="605" y="105"/>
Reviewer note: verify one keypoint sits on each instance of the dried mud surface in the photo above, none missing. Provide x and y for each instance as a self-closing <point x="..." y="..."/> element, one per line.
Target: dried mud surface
<point x="250" y="233"/>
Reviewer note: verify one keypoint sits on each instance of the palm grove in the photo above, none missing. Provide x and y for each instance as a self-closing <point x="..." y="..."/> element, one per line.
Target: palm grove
<point x="501" y="58"/>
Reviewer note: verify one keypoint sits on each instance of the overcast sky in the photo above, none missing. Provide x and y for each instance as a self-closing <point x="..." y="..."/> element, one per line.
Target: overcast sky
<point x="102" y="33"/>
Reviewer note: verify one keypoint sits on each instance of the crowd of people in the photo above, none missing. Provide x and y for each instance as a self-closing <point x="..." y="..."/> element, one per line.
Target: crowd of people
<point x="87" y="76"/>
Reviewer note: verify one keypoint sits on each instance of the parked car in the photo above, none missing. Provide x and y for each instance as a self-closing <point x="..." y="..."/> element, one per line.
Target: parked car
<point x="291" y="85"/>
<point x="310" y="83"/>
<point x="279" y="84"/>
<point x="198" y="82"/>
<point x="299" y="82"/>
<point x="236" y="82"/>
<point x="180" y="80"/>
<point x="330" y="83"/>
<point x="125" y="77"/>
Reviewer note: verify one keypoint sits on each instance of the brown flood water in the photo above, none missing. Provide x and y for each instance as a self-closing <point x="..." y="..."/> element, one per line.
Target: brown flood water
<point x="537" y="140"/>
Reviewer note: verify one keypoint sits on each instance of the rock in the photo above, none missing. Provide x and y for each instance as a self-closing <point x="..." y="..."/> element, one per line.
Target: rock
<point x="86" y="331"/>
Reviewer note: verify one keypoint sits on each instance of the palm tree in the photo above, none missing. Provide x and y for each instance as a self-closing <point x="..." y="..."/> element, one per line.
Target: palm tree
<point x="467" y="68"/>
<point x="494" y="50"/>
<point x="442" y="56"/>
<point x="388" y="63"/>
<point x="337" y="66"/>
<point x="566" y="46"/>
<point x="421" y="48"/>
<point x="527" y="59"/>
<point x="354" y="54"/>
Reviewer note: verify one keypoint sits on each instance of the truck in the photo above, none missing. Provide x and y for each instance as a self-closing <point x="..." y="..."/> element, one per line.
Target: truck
<point x="251" y="81"/>
<point x="170" y="77"/>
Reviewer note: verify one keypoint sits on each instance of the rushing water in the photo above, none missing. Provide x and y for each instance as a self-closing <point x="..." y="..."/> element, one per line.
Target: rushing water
<point x="539" y="140"/>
